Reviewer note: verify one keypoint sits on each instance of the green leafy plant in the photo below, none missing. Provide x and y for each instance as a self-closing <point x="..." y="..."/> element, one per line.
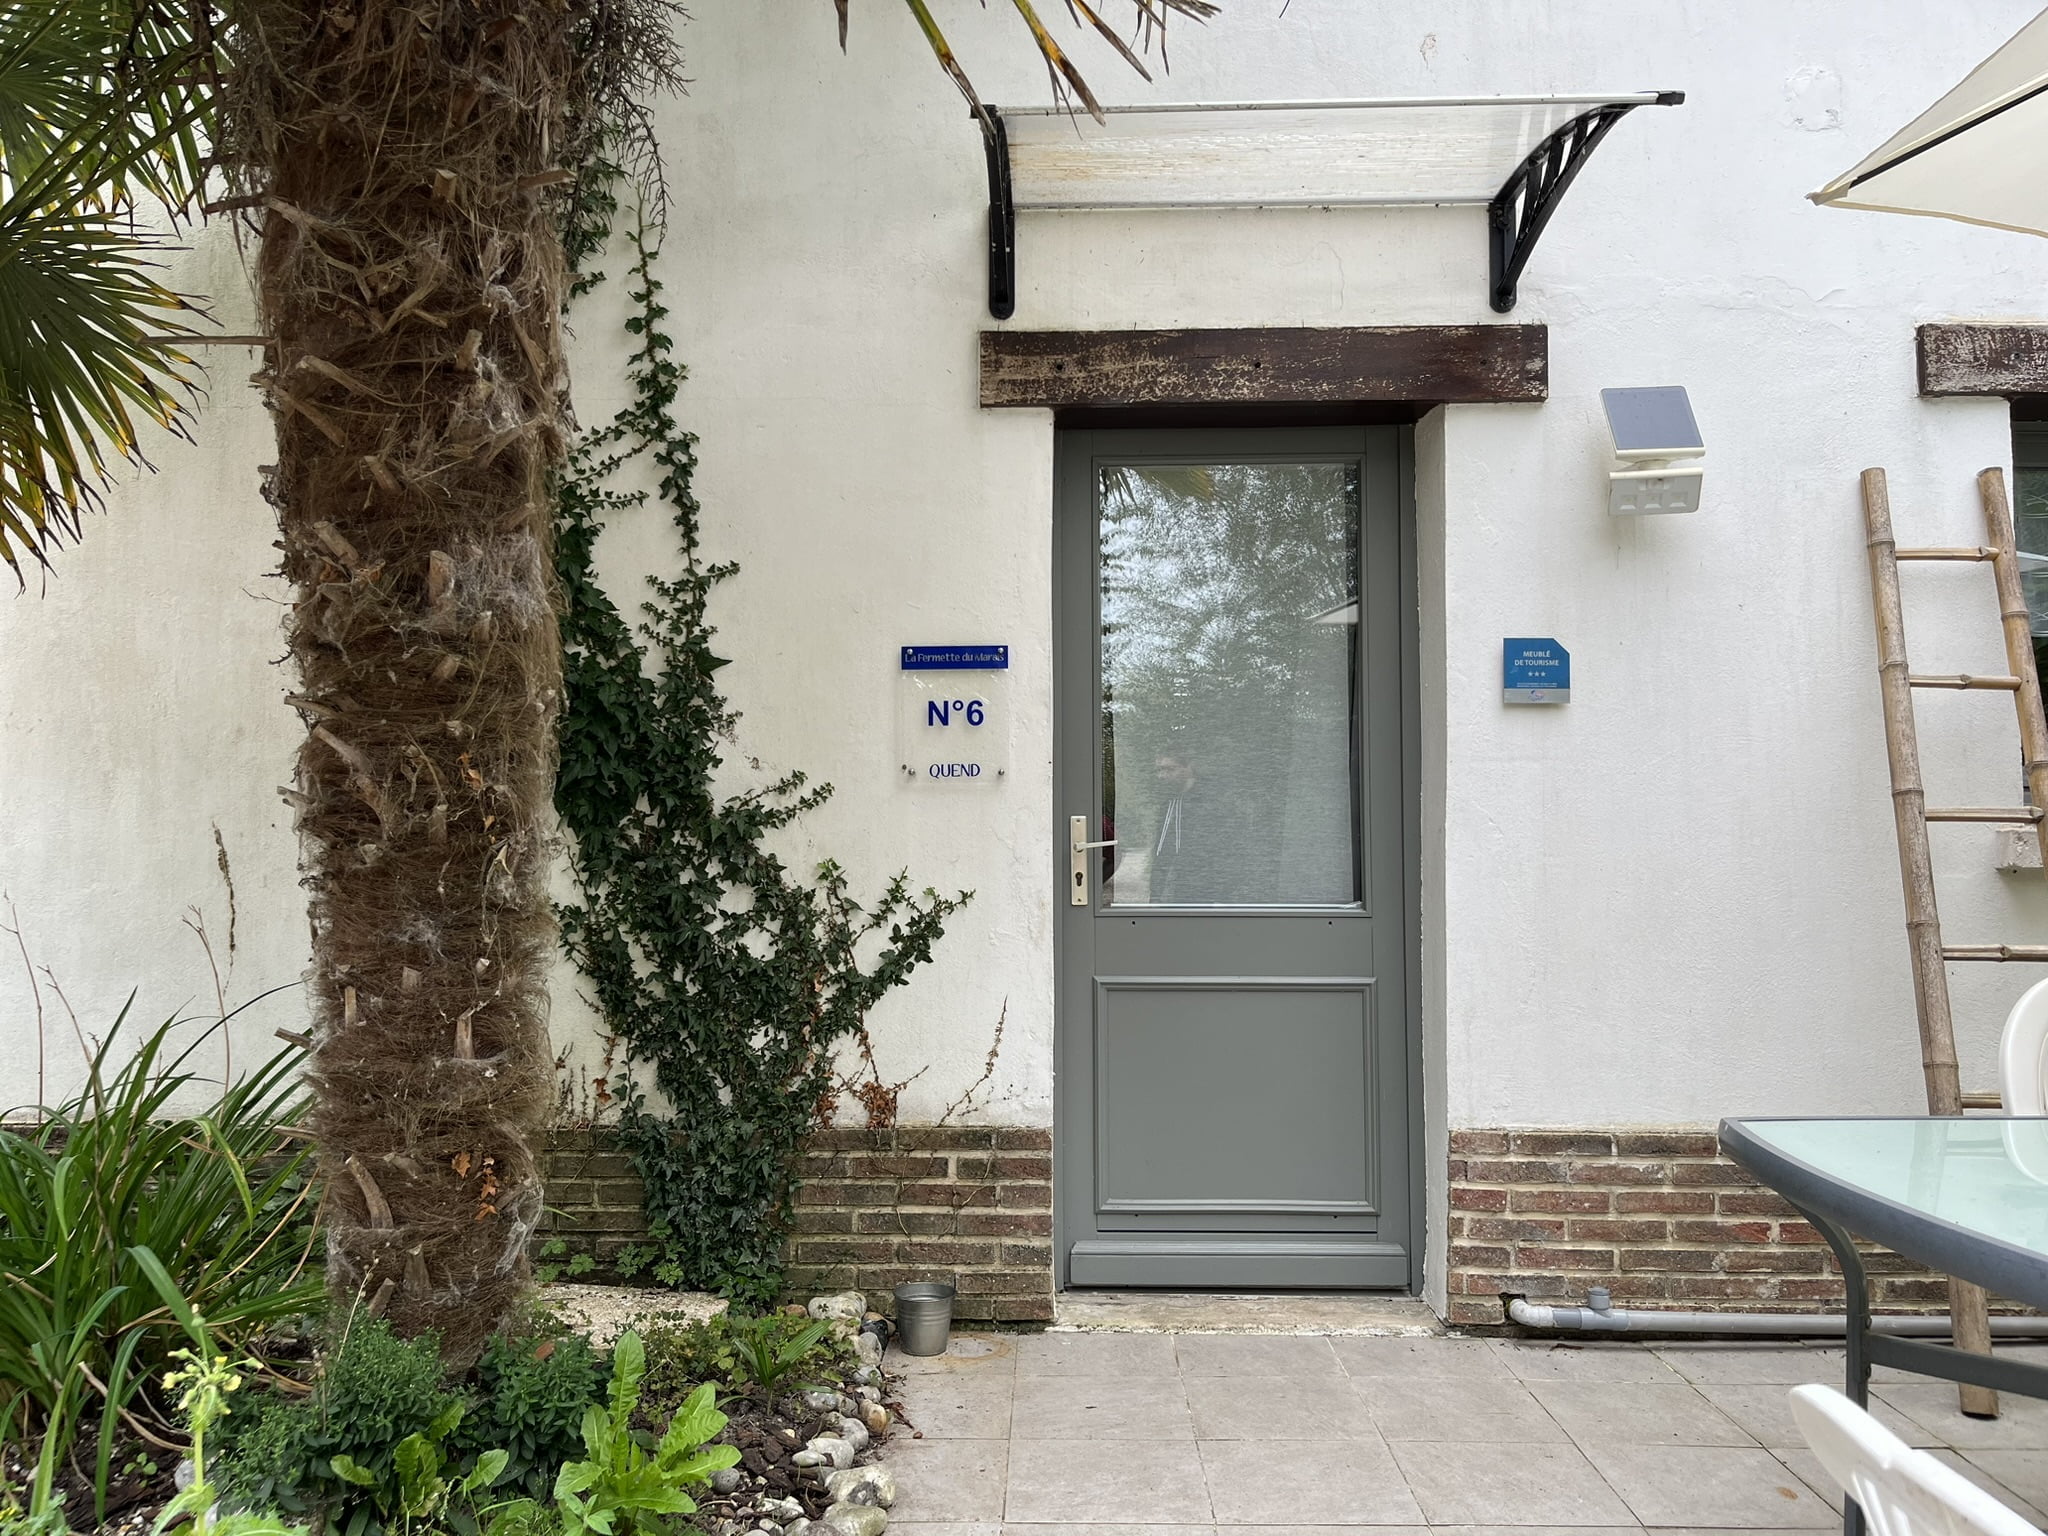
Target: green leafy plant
<point x="102" y="103"/>
<point x="531" y="1393"/>
<point x="118" y="1179"/>
<point x="413" y="1493"/>
<point x="729" y="980"/>
<point x="208" y="1381"/>
<point x="679" y="1356"/>
<point x="15" y="1520"/>
<point x="374" y="1392"/>
<point x="555" y="1261"/>
<point x="769" y="1356"/>
<point x="621" y="1485"/>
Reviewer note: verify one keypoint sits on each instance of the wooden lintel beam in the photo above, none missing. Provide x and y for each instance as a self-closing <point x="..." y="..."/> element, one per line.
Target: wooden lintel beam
<point x="1284" y="365"/>
<point x="1983" y="359"/>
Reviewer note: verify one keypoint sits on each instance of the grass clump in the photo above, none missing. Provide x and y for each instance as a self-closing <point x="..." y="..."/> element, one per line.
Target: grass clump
<point x="116" y="1179"/>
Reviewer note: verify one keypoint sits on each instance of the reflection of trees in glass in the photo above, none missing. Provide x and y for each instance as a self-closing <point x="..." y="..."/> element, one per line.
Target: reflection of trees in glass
<point x="1229" y="613"/>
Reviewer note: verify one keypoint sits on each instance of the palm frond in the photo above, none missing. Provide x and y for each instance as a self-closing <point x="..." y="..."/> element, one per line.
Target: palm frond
<point x="79" y="364"/>
<point x="943" y="52"/>
<point x="1058" y="66"/>
<point x="1149" y="26"/>
<point x="102" y="103"/>
<point x="64" y="63"/>
<point x="1081" y="11"/>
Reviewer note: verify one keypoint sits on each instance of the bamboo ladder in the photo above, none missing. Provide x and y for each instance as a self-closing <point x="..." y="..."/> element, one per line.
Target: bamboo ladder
<point x="1969" y="1316"/>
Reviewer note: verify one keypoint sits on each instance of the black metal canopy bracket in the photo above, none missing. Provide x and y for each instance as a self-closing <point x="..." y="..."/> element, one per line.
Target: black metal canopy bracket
<point x="1516" y="216"/>
<point x="1002" y="218"/>
<point x="1520" y="210"/>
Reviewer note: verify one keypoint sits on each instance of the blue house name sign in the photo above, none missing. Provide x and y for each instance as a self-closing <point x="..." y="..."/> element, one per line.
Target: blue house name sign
<point x="954" y="716"/>
<point x="1535" y="672"/>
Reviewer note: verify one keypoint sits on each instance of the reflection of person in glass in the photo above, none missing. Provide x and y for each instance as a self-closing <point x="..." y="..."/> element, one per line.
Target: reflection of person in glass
<point x="1185" y="852"/>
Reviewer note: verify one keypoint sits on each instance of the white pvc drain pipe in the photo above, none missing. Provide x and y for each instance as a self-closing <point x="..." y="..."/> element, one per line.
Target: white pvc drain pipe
<point x="1602" y="1318"/>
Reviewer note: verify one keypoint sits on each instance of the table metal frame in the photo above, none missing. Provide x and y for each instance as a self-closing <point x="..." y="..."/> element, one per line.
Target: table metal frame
<point x="1896" y="1227"/>
<point x="1867" y="1348"/>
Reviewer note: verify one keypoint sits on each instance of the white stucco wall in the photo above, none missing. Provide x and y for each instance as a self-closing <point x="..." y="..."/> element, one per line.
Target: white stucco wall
<point x="1675" y="898"/>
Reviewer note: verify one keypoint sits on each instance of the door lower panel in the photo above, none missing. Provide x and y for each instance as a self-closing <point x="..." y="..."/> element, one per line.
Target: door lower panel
<point x="1228" y="1097"/>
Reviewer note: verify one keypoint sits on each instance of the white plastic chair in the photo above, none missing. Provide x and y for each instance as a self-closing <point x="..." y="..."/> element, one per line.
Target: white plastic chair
<point x="2022" y="1072"/>
<point x="1902" y="1492"/>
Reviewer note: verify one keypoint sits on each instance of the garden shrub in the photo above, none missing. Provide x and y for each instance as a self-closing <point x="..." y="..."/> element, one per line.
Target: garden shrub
<point x="629" y="1481"/>
<point x="374" y="1390"/>
<point x="530" y="1393"/>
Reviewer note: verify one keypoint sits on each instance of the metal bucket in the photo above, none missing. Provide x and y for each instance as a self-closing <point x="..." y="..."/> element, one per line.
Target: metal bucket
<point x="924" y="1317"/>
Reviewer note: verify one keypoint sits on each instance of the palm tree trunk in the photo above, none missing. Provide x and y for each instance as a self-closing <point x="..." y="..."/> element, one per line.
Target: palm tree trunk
<point x="411" y="276"/>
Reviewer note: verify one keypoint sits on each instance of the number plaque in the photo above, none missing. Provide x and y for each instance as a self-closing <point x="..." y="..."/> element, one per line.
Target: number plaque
<point x="954" y="715"/>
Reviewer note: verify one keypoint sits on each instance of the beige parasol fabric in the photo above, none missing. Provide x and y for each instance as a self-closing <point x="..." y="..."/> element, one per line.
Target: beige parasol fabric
<point x="1980" y="154"/>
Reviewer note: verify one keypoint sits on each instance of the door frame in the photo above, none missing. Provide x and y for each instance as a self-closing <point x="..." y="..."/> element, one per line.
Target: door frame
<point x="1068" y="626"/>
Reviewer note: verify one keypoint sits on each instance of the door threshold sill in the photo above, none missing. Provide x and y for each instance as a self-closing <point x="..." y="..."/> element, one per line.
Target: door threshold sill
<point x="1274" y="1312"/>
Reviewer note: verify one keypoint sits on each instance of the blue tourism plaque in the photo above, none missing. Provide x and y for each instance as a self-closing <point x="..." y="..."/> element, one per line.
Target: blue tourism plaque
<point x="1535" y="672"/>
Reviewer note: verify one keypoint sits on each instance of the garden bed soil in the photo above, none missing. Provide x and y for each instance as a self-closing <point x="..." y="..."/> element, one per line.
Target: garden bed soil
<point x="133" y="1502"/>
<point x="767" y="1439"/>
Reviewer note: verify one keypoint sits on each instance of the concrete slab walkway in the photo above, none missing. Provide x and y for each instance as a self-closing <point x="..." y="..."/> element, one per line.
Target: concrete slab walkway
<point x="1138" y="1434"/>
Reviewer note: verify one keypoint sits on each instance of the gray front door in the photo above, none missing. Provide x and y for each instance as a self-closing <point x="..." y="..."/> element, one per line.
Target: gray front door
<point x="1234" y="1091"/>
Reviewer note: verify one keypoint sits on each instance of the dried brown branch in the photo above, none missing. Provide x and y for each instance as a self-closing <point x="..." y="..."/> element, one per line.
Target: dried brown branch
<point x="965" y="1102"/>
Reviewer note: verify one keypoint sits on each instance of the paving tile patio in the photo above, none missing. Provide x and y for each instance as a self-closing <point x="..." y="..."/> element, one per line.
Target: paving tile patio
<point x="1100" y="1407"/>
<point x="1215" y="1434"/>
<point x="1742" y="1363"/>
<point x="1364" y="1356"/>
<point x="1473" y="1410"/>
<point x="2021" y="1425"/>
<point x="1097" y="1354"/>
<point x="1535" y="1485"/>
<point x="1255" y="1482"/>
<point x="1277" y="1408"/>
<point x="1255" y="1354"/>
<point x="1152" y="1482"/>
<point x="960" y="1406"/>
<point x="1637" y="1413"/>
<point x="2017" y="1479"/>
<point x="1711" y="1485"/>
<point x="1765" y="1414"/>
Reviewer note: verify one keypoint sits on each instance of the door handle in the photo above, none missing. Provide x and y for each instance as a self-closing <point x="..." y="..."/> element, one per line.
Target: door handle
<point x="1078" y="847"/>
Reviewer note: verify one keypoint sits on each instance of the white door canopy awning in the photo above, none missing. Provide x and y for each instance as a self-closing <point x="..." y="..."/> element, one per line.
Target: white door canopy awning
<point x="1980" y="154"/>
<point x="1515" y="155"/>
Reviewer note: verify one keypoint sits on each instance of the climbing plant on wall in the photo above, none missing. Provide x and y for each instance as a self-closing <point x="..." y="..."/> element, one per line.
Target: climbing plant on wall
<point x="727" y="978"/>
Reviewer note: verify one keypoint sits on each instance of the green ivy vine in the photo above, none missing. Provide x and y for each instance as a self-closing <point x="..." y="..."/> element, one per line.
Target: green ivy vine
<point x="727" y="980"/>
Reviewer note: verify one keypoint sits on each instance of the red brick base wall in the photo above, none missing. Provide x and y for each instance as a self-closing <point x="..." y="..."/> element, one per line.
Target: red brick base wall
<point x="971" y="1205"/>
<point x="1659" y="1217"/>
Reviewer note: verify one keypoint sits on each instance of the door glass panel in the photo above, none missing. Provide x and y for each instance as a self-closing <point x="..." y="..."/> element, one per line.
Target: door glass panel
<point x="1229" y="683"/>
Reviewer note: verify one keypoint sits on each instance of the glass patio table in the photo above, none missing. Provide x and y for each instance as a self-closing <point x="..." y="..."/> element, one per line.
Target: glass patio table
<point x="1965" y="1197"/>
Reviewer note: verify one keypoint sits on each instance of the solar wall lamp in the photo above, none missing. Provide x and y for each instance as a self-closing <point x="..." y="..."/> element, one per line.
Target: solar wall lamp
<point x="1653" y="431"/>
